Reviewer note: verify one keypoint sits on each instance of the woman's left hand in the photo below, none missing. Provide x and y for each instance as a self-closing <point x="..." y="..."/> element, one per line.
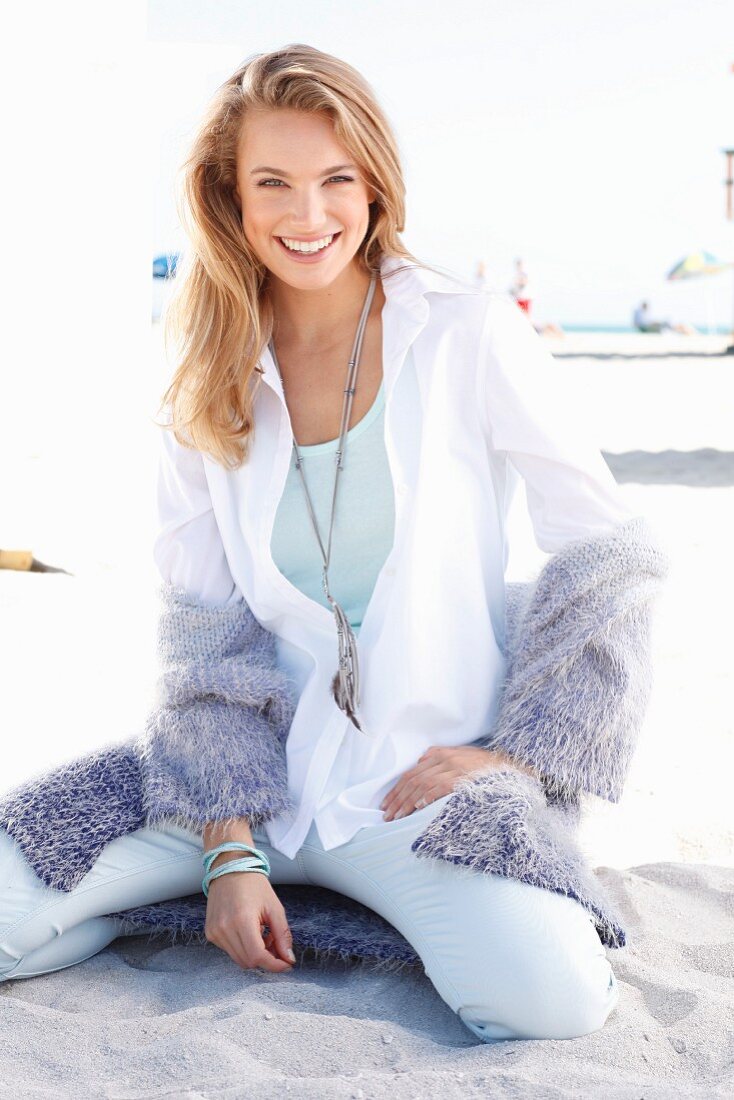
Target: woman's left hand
<point x="436" y="774"/>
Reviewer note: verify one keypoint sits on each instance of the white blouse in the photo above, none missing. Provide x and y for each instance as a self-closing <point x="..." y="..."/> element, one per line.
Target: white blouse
<point x="473" y="403"/>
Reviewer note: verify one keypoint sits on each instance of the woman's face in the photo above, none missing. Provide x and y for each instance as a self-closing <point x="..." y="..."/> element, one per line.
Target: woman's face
<point x="295" y="181"/>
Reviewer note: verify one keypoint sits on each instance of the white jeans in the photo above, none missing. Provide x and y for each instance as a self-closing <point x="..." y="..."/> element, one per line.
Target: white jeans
<point x="512" y="960"/>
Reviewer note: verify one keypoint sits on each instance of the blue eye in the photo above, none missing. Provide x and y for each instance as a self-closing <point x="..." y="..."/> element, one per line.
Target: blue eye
<point x="347" y="179"/>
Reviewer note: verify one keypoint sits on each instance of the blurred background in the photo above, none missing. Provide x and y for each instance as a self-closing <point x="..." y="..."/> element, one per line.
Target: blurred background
<point x="572" y="155"/>
<point x="596" y="130"/>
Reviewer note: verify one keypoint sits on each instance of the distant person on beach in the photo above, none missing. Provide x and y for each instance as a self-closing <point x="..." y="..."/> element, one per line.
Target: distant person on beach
<point x="523" y="295"/>
<point x="480" y="278"/>
<point x="520" y="287"/>
<point x="642" y="323"/>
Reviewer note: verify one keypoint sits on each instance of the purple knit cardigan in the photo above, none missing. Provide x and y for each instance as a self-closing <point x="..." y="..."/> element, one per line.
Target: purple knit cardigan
<point x="577" y="683"/>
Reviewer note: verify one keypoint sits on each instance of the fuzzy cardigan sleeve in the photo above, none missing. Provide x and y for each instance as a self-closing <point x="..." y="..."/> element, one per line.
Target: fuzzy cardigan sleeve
<point x="579" y="661"/>
<point x="213" y="746"/>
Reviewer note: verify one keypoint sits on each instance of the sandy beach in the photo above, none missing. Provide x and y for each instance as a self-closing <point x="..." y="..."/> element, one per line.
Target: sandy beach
<point x="145" y="1019"/>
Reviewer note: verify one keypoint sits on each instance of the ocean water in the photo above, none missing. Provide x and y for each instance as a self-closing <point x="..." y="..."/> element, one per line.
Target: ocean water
<point x="161" y="291"/>
<point x="714" y="330"/>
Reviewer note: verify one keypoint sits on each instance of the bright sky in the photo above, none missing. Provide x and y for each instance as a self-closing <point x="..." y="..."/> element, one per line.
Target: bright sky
<point x="583" y="136"/>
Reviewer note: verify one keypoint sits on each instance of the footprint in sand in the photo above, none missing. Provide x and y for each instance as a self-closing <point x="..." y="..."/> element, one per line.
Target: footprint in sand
<point x="666" y="1003"/>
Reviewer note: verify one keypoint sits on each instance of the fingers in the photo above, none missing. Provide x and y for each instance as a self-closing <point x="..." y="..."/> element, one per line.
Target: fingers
<point x="413" y="782"/>
<point x="252" y="950"/>
<point x="281" y="933"/>
<point x="435" y="775"/>
<point x="409" y="802"/>
<point x="236" y="914"/>
<point x="432" y="782"/>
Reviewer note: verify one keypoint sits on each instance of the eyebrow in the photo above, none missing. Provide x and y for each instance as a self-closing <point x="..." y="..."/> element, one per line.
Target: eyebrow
<point x="280" y="172"/>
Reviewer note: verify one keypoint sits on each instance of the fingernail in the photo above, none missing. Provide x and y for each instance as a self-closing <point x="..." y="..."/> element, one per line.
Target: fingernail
<point x="290" y="955"/>
<point x="400" y="813"/>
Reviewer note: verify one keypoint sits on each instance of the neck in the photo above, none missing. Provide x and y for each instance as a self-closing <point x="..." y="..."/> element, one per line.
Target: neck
<point x="319" y="318"/>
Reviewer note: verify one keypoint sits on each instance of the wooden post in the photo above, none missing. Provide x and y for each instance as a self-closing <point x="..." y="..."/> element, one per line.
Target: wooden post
<point x="729" y="184"/>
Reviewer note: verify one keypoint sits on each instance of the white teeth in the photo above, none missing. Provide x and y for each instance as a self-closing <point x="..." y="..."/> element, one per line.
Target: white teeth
<point x="307" y="246"/>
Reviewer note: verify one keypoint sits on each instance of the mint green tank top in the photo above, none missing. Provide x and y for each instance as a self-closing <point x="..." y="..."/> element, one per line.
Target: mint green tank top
<point x="363" y="524"/>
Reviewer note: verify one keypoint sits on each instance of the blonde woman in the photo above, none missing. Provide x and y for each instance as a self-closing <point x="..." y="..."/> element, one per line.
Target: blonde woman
<point x="351" y="695"/>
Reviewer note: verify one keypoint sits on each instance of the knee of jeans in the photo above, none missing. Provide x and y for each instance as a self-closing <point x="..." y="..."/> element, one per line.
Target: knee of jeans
<point x="583" y="1009"/>
<point x="7" y="962"/>
<point x="597" y="995"/>
<point x="75" y="945"/>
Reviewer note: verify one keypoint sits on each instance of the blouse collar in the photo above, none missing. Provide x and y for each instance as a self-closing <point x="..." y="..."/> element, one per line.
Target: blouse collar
<point x="409" y="286"/>
<point x="406" y="309"/>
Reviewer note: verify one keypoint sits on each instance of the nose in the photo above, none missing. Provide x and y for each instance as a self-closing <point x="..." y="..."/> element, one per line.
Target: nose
<point x="308" y="210"/>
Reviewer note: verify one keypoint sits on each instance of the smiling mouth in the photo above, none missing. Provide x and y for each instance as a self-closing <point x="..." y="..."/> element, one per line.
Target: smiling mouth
<point x="309" y="253"/>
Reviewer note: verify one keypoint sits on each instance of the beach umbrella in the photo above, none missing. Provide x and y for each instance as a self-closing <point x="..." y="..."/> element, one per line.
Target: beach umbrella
<point x="165" y="266"/>
<point x="698" y="263"/>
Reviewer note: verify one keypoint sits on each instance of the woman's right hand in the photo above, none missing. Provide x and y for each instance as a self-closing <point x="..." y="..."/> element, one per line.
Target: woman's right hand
<point x="238" y="905"/>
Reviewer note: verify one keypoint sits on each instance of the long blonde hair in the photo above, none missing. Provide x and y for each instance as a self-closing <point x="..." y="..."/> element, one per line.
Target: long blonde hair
<point x="217" y="317"/>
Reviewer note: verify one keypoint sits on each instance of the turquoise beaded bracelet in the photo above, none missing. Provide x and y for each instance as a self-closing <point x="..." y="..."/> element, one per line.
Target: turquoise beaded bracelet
<point x="258" y="861"/>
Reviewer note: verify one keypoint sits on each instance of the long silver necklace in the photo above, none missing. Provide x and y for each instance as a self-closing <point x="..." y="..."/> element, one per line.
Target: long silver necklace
<point x="345" y="686"/>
